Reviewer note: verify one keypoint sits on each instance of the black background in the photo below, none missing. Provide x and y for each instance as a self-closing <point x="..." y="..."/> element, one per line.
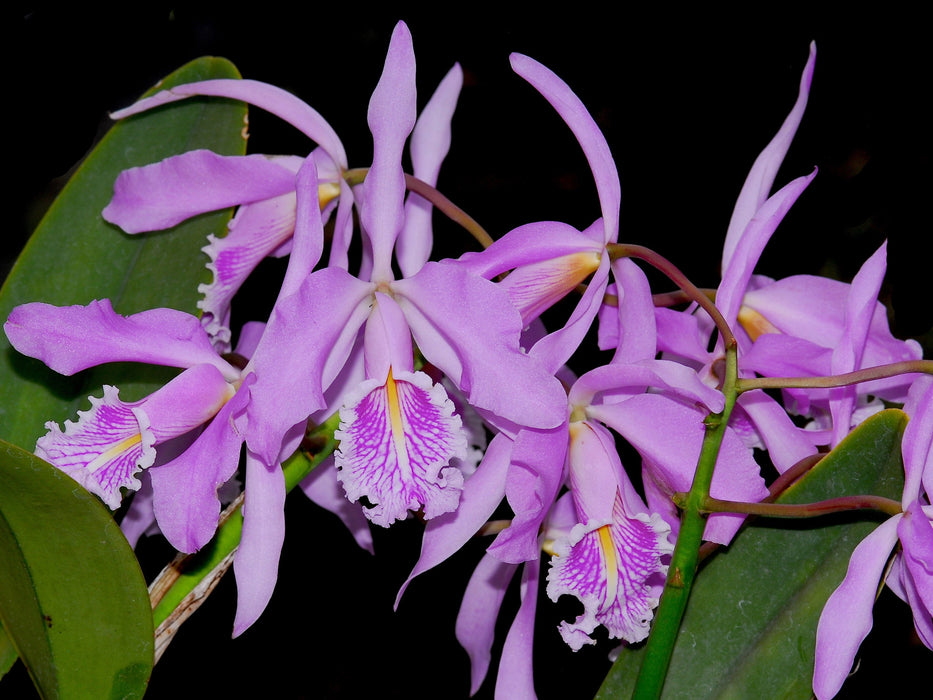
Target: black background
<point x="686" y="102"/>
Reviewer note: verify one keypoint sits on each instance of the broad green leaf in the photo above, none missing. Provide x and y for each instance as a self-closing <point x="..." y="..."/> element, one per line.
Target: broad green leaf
<point x="75" y="256"/>
<point x="750" y="625"/>
<point x="72" y="596"/>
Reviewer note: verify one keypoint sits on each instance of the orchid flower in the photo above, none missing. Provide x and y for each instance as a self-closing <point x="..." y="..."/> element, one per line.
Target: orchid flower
<point x="849" y="332"/>
<point x="846" y="619"/>
<point x="685" y="336"/>
<point x="549" y="259"/>
<point x="109" y="444"/>
<point x="164" y="194"/>
<point x="397" y="429"/>
<point x="610" y="546"/>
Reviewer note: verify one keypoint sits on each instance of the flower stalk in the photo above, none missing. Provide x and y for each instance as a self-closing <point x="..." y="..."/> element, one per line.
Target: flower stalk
<point x="848" y="378"/>
<point x="689" y="289"/>
<point x="801" y="510"/>
<point x="685" y="559"/>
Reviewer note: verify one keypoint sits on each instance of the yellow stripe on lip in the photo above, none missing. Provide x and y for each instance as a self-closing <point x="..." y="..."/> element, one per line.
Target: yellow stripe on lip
<point x="398" y="427"/>
<point x="612" y="566"/>
<point x="119" y="448"/>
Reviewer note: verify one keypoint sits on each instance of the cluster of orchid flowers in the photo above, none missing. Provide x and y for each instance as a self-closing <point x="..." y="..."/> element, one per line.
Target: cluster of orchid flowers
<point x="452" y="394"/>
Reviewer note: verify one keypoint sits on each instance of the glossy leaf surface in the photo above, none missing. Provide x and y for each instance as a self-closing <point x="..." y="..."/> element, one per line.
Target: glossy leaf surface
<point x="72" y="596"/>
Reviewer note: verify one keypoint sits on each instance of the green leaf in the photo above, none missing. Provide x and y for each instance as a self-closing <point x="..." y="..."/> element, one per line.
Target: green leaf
<point x="72" y="596"/>
<point x="74" y="256"/>
<point x="750" y="625"/>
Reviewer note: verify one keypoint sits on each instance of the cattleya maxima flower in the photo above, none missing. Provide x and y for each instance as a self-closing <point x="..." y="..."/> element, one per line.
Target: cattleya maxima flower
<point x="114" y="440"/>
<point x="427" y="152"/>
<point x="610" y="546"/>
<point x="163" y="194"/>
<point x="397" y="431"/>
<point x="780" y="331"/>
<point x="685" y="336"/>
<point x="184" y="491"/>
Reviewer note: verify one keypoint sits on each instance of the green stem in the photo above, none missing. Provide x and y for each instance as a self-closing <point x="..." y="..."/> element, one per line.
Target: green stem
<point x="862" y="375"/>
<point x="799" y="510"/>
<point x="689" y="289"/>
<point x="183" y="585"/>
<point x="684" y="561"/>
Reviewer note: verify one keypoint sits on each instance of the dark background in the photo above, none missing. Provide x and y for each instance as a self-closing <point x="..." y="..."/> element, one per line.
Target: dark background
<point x="686" y="103"/>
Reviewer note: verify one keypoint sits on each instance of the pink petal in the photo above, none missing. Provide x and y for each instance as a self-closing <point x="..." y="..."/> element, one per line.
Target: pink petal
<point x="256" y="565"/>
<point x="846" y="619"/>
<point x="163" y="194"/>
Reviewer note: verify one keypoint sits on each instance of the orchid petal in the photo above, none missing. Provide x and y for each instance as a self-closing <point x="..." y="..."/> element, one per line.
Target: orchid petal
<point x="256" y="565"/>
<point x="185" y="490"/>
<point x="391" y="116"/>
<point x="516" y="675"/>
<point x="915" y="532"/>
<point x="343" y="229"/>
<point x="917" y="446"/>
<point x="637" y="327"/>
<point x="308" y="243"/>
<point x="268" y="97"/>
<point x="465" y="326"/>
<point x="430" y="142"/>
<point x="113" y="441"/>
<point x="482" y="493"/>
<point x="250" y="335"/>
<point x="387" y="340"/>
<point x="104" y="449"/>
<point x="609" y="380"/>
<point x="529" y="244"/>
<point x="254" y="232"/>
<point x="591" y="139"/>
<point x="678" y="334"/>
<point x="72" y="338"/>
<point x="786" y="443"/>
<point x="595" y="471"/>
<point x="849" y="351"/>
<point x="476" y="621"/>
<point x="761" y="176"/>
<point x="307" y="340"/>
<point x="846" y="618"/>
<point x="900" y="580"/>
<point x="533" y="480"/>
<point x="163" y="194"/>
<point x="556" y="348"/>
<point x="536" y="287"/>
<point x="668" y="435"/>
<point x="748" y="249"/>
<point x="608" y="567"/>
